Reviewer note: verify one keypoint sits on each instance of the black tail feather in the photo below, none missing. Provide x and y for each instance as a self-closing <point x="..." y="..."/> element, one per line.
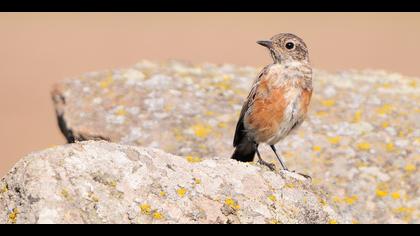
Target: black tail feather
<point x="245" y="151"/>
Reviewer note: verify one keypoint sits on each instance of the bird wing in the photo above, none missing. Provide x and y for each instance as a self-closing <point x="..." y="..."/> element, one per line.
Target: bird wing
<point x="240" y="131"/>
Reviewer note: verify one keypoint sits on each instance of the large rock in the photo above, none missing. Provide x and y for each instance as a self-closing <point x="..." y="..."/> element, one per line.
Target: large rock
<point x="361" y="142"/>
<point x="101" y="182"/>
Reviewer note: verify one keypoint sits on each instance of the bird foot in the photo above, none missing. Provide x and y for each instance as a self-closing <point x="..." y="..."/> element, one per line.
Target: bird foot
<point x="305" y="176"/>
<point x="271" y="166"/>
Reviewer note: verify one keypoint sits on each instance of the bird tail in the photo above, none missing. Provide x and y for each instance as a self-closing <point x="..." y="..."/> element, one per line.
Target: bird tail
<point x="245" y="151"/>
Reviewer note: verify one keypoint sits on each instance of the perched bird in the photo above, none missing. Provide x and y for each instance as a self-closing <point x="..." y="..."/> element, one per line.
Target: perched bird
<point x="278" y="101"/>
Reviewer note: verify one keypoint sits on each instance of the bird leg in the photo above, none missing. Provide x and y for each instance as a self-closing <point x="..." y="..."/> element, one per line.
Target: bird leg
<point x="271" y="166"/>
<point x="283" y="163"/>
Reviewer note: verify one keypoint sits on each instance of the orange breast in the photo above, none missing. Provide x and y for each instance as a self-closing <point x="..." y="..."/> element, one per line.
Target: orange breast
<point x="266" y="114"/>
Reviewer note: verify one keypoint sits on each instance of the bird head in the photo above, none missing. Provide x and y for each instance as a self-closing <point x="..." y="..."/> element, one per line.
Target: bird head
<point x="286" y="48"/>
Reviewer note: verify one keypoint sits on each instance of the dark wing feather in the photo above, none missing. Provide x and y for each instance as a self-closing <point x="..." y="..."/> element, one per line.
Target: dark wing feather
<point x="240" y="131"/>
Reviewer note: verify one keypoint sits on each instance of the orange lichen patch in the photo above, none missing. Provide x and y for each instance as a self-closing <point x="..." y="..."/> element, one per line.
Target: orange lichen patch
<point x="334" y="140"/>
<point x="410" y="168"/>
<point x="181" y="192"/>
<point x="232" y="204"/>
<point x="385" y="109"/>
<point x="145" y="209"/>
<point x="357" y="116"/>
<point x="13" y="215"/>
<point x="201" y="130"/>
<point x="364" y="146"/>
<point x="193" y="159"/>
<point x="328" y="103"/>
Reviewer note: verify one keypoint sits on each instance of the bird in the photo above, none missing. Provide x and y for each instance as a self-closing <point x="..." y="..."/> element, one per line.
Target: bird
<point x="278" y="101"/>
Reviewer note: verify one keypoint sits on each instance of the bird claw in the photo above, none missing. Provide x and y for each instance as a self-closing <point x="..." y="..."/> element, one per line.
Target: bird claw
<point x="305" y="176"/>
<point x="270" y="166"/>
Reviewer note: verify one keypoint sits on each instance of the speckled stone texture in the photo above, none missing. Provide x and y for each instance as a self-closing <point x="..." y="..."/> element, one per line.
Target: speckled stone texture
<point x="101" y="182"/>
<point x="360" y="144"/>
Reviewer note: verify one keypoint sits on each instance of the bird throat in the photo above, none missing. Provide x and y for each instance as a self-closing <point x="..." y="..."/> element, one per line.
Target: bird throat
<point x="276" y="56"/>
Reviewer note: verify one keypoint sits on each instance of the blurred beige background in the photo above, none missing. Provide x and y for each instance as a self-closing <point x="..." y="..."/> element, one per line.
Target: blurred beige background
<point x="38" y="49"/>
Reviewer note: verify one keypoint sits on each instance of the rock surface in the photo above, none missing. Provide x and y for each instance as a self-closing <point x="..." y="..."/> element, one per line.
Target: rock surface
<point x="101" y="182"/>
<point x="361" y="142"/>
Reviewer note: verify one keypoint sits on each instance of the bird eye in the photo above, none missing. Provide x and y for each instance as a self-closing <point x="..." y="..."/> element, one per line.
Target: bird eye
<point x="290" y="45"/>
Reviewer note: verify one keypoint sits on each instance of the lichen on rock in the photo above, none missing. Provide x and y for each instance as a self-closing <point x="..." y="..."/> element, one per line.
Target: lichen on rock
<point x="101" y="182"/>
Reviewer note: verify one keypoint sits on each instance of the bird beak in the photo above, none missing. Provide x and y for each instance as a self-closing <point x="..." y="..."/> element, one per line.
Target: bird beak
<point x="266" y="43"/>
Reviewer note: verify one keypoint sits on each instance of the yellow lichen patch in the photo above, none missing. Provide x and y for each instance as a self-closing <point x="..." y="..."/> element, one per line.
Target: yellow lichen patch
<point x="106" y="82"/>
<point x="162" y="193"/>
<point x="334" y="140"/>
<point x="113" y="183"/>
<point x="381" y="193"/>
<point x="390" y="147"/>
<point x="193" y="159"/>
<point x="272" y="198"/>
<point x="395" y="195"/>
<point x="385" y="109"/>
<point x="410" y="168"/>
<point x="225" y="84"/>
<point x="121" y="112"/>
<point x="4" y="189"/>
<point x="290" y="185"/>
<point x="181" y="192"/>
<point x="328" y="103"/>
<point x="201" y="131"/>
<point x="209" y="113"/>
<point x="232" y="204"/>
<point x="157" y="215"/>
<point x="222" y="125"/>
<point x="351" y="200"/>
<point x="413" y="83"/>
<point x="13" y="216"/>
<point x="333" y="222"/>
<point x="197" y="181"/>
<point x="288" y="154"/>
<point x="316" y="148"/>
<point x="363" y="146"/>
<point x="337" y="199"/>
<point x="355" y="222"/>
<point x="357" y="116"/>
<point x="178" y="134"/>
<point x="168" y="107"/>
<point x="145" y="209"/>
<point x="386" y="85"/>
<point x="385" y="124"/>
<point x="274" y="222"/>
<point x="321" y="113"/>
<point x="65" y="193"/>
